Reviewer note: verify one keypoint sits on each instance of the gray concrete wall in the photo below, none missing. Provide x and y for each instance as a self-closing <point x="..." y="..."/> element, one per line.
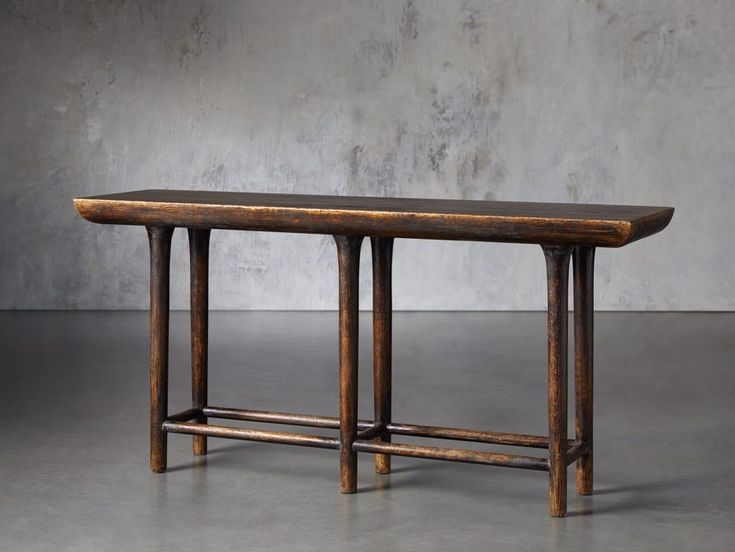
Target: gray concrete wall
<point x="588" y="101"/>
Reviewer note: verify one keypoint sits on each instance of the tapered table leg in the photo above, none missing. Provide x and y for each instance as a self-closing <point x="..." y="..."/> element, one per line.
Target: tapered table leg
<point x="199" y="299"/>
<point x="557" y="270"/>
<point x="382" y="340"/>
<point x="160" y="247"/>
<point x="348" y="256"/>
<point x="584" y="262"/>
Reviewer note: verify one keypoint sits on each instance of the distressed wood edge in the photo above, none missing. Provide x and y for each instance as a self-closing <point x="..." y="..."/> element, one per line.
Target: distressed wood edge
<point x="610" y="233"/>
<point x="649" y="225"/>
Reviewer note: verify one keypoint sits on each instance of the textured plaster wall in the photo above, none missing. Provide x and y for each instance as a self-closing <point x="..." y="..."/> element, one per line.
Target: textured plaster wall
<point x="588" y="101"/>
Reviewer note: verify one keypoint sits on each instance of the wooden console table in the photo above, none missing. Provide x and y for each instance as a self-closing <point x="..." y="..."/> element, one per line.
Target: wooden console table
<point x="563" y="231"/>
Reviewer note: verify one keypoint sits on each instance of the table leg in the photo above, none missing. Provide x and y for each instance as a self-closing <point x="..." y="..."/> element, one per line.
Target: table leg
<point x="348" y="256"/>
<point x="557" y="270"/>
<point x="199" y="301"/>
<point x="382" y="249"/>
<point x="160" y="248"/>
<point x="584" y="261"/>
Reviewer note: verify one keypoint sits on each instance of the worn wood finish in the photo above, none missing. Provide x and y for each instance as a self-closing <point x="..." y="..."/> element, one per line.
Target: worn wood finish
<point x="368" y="431"/>
<point x="454" y="455"/>
<point x="376" y="431"/>
<point x="348" y="258"/>
<point x="159" y="239"/>
<point x="584" y="309"/>
<point x="458" y="434"/>
<point x="562" y="230"/>
<point x="575" y="452"/>
<point x="185" y="415"/>
<point x="504" y="221"/>
<point x="199" y="298"/>
<point x="246" y="434"/>
<point x="287" y="418"/>
<point x="557" y="268"/>
<point x="332" y="422"/>
<point x="382" y="249"/>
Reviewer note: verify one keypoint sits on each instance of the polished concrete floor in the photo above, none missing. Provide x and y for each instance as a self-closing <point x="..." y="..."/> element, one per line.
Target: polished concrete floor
<point x="73" y="437"/>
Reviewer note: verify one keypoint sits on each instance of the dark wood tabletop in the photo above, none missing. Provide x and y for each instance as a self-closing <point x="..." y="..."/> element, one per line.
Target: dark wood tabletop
<point x="447" y="219"/>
